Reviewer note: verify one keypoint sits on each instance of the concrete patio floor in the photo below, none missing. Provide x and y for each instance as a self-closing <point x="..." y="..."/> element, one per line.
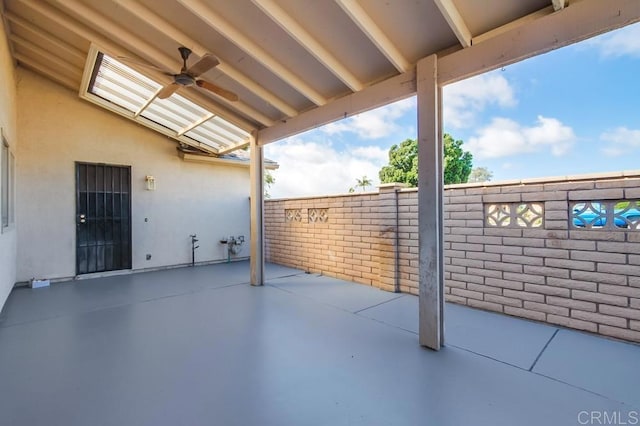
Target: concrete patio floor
<point x="199" y="346"/>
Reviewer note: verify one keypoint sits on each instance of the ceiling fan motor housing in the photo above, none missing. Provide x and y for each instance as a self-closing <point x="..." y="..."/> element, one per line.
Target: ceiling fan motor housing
<point x="184" y="79"/>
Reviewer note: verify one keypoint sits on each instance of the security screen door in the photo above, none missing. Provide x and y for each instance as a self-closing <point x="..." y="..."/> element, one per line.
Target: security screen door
<point x="103" y="218"/>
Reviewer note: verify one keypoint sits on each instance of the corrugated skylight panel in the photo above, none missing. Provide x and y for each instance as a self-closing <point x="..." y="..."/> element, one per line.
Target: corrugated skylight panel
<point x="219" y="121"/>
<point x="106" y="81"/>
<point x="113" y="92"/>
<point x="198" y="137"/>
<point x="122" y="85"/>
<point x="129" y="74"/>
<point x="127" y="88"/>
<point x="116" y="98"/>
<point x="212" y="127"/>
<point x="185" y="104"/>
<point x="181" y="115"/>
<point x="162" y="117"/>
<point x="206" y="133"/>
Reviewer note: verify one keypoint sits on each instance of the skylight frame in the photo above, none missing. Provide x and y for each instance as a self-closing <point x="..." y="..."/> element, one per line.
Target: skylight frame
<point x="180" y="111"/>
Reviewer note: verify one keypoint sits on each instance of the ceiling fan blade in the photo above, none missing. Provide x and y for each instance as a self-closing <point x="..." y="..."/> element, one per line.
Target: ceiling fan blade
<point x="168" y="90"/>
<point x="205" y="63"/>
<point x="230" y="96"/>
<point x="142" y="64"/>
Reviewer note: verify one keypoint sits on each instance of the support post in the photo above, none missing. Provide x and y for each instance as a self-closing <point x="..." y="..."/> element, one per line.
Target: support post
<point x="256" y="174"/>
<point x="430" y="222"/>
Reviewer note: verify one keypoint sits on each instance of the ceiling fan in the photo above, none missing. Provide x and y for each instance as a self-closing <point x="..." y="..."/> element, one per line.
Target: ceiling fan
<point x="189" y="76"/>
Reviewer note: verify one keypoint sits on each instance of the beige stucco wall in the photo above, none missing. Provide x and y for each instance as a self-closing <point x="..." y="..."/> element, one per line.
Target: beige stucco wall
<point x="57" y="129"/>
<point x="8" y="125"/>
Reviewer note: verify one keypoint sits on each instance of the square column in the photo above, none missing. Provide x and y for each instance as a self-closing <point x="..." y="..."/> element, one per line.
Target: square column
<point x="430" y="201"/>
<point x="388" y="217"/>
<point x="256" y="175"/>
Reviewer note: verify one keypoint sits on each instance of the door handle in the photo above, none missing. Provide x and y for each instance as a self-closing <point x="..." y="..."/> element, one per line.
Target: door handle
<point x="83" y="218"/>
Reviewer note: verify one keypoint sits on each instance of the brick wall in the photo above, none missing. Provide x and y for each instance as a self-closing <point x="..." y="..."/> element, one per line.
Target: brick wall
<point x="351" y="237"/>
<point x="535" y="265"/>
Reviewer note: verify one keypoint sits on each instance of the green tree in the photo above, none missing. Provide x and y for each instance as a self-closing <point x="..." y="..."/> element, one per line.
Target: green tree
<point x="403" y="162"/>
<point x="480" y="174"/>
<point x="269" y="180"/>
<point x="457" y="162"/>
<point x="363" y="183"/>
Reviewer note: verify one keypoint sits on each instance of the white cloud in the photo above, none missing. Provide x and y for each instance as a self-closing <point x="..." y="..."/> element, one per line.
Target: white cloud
<point x="462" y="101"/>
<point x="621" y="141"/>
<point x="312" y="168"/>
<point x="505" y="137"/>
<point x="373" y="153"/>
<point x="374" y="124"/>
<point x="625" y="41"/>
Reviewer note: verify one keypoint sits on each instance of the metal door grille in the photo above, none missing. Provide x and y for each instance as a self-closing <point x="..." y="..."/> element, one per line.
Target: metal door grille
<point x="103" y="218"/>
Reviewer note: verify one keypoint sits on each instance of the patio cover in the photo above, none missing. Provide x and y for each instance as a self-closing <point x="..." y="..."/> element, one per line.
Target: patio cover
<point x="299" y="64"/>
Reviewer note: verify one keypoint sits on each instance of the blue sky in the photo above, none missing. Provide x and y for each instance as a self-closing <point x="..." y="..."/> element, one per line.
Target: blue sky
<point x="571" y="111"/>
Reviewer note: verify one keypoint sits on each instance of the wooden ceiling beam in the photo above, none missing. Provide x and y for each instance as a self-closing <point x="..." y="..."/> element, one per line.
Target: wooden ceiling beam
<point x="111" y="48"/>
<point x="195" y="124"/>
<point x="513" y="24"/>
<point x="311" y="44"/>
<point x="579" y="21"/>
<point x="47" y="72"/>
<point x="45" y="36"/>
<point x="253" y="49"/>
<point x="64" y="21"/>
<point x="235" y="147"/>
<point x="46" y="55"/>
<point x="144" y="49"/>
<point x="362" y="19"/>
<point x="393" y="89"/>
<point x="146" y="15"/>
<point x="454" y="19"/>
<point x="118" y="33"/>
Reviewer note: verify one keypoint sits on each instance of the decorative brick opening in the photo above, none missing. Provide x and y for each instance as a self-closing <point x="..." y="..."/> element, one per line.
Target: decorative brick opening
<point x="318" y="215"/>
<point x="514" y="215"/>
<point x="606" y="215"/>
<point x="293" y="215"/>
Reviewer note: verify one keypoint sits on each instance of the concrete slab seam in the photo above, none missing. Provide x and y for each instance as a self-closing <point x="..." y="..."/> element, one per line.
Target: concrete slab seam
<point x="544" y="348"/>
<point x="379" y="304"/>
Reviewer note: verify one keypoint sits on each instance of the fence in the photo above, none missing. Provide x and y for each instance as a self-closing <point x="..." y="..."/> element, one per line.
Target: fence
<point x="562" y="250"/>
